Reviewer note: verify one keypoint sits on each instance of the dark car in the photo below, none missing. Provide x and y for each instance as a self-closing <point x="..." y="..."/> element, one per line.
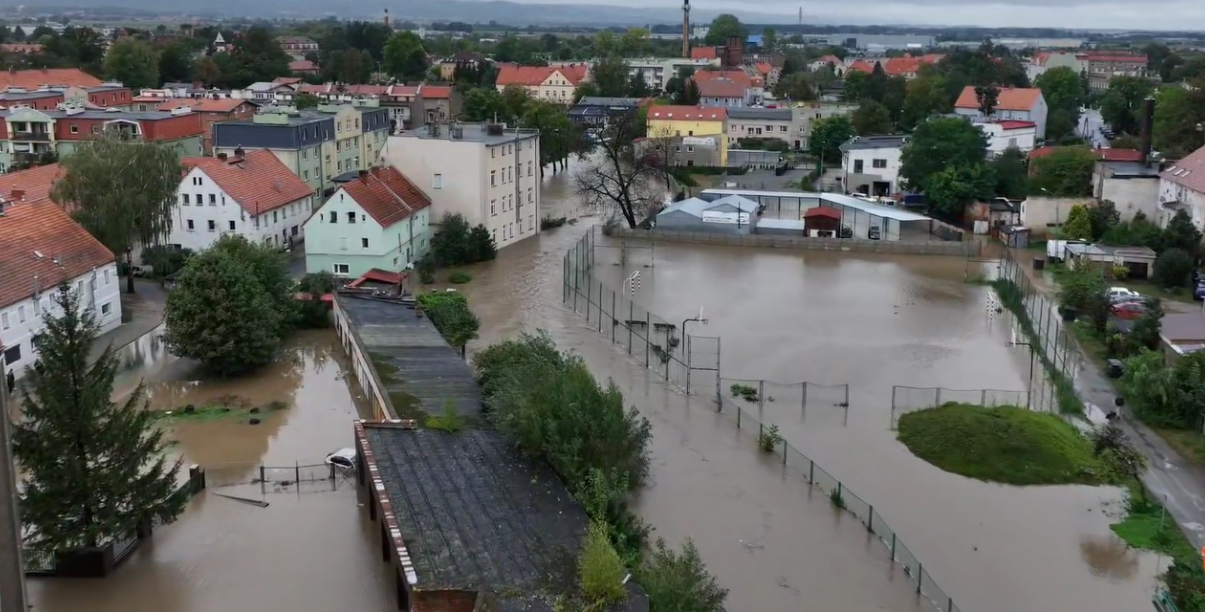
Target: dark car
<point x="846" y="232"/>
<point x="1198" y="293"/>
<point x="873" y="233"/>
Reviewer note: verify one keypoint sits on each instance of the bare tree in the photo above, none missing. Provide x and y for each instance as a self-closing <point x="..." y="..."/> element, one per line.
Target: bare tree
<point x="621" y="179"/>
<point x="661" y="152"/>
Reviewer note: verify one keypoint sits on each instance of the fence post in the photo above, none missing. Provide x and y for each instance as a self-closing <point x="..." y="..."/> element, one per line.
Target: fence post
<point x="261" y="472"/>
<point x="811" y="472"/>
<point x="893" y="546"/>
<point x="297" y="473"/>
<point x="983" y="397"/>
<point x="738" y="417"/>
<point x="686" y="341"/>
<point x="803" y="403"/>
<point x="949" y="604"/>
<point x="938" y="397"/>
<point x="648" y="336"/>
<point x="870" y="519"/>
<point x="846" y="419"/>
<point x="614" y="313"/>
<point x="575" y="277"/>
<point x="920" y="576"/>
<point x="761" y="399"/>
<point x="600" y="306"/>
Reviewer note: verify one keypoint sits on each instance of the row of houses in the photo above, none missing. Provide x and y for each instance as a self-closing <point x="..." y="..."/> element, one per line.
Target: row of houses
<point x="1099" y="67"/>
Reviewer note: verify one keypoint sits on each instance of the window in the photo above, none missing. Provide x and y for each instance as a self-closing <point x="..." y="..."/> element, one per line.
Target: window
<point x="185" y="196"/>
<point x="12" y="355"/>
<point x="339" y="268"/>
<point x="4" y="320"/>
<point x="189" y="222"/>
<point x="438" y="181"/>
<point x="351" y="217"/>
<point x="306" y="175"/>
<point x="275" y="218"/>
<point x="200" y="200"/>
<point x="364" y="243"/>
<point x="334" y="217"/>
<point x="530" y="195"/>
<point x="213" y="200"/>
<point x="857" y="166"/>
<point x="104" y="309"/>
<point x="782" y="128"/>
<point x="879" y="163"/>
<point x="493" y="207"/>
<point x="232" y="225"/>
<point x="493" y="153"/>
<point x="74" y="128"/>
<point x="529" y="167"/>
<point x="196" y="180"/>
<point x="21" y="313"/>
<point x="106" y="275"/>
<point x="690" y="148"/>
<point x="212" y="225"/>
<point x="493" y="178"/>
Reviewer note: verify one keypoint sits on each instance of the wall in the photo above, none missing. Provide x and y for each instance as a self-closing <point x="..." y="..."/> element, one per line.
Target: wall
<point x="366" y="375"/>
<point x="1131" y="195"/>
<point x="342" y="242"/>
<point x="1042" y="215"/>
<point x="1194" y="201"/>
<point x="102" y="289"/>
<point x="275" y="225"/>
<point x="666" y="128"/>
<point x="869" y="173"/>
<point x="903" y="247"/>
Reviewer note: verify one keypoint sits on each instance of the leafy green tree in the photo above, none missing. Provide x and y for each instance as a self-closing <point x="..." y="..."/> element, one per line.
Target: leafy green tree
<point x="133" y="62"/>
<point x="1178" y="112"/>
<point x="871" y="119"/>
<point x="638" y="87"/>
<point x="938" y="144"/>
<point x="690" y="94"/>
<point x="1064" y="172"/>
<point x="481" y="244"/>
<point x="350" y="66"/>
<point x="405" y="58"/>
<point x="1121" y="105"/>
<point x="270" y="266"/>
<point x="1064" y="95"/>
<point x="679" y="581"/>
<point x="222" y="316"/>
<point x="122" y="191"/>
<point x="175" y="63"/>
<point x="1139" y="231"/>
<point x="795" y="87"/>
<point x="953" y="188"/>
<point x="451" y="315"/>
<point x="1012" y="174"/>
<point x="457" y="244"/>
<point x="988" y="98"/>
<point x="482" y="104"/>
<point x="1173" y="268"/>
<point x="1181" y="233"/>
<point x="856" y="86"/>
<point x="610" y="75"/>
<point x="559" y="137"/>
<point x="827" y="136"/>
<point x="1078" y="225"/>
<point x="925" y="96"/>
<point x="94" y="471"/>
<point x="1104" y="216"/>
<point x="254" y="56"/>
<point x="305" y="100"/>
<point x="724" y="27"/>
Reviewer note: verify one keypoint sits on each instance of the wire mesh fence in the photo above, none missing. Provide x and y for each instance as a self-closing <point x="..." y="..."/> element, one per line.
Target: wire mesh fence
<point x="809" y="402"/>
<point x="689" y="362"/>
<point x="746" y="418"/>
<point x="910" y="399"/>
<point x="300" y="477"/>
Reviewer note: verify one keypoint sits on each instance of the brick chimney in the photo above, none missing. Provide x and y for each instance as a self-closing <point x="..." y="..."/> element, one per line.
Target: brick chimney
<point x="18" y="195"/>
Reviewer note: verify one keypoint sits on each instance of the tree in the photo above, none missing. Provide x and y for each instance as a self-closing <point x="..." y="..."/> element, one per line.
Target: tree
<point x="855" y="86"/>
<point x="634" y="42"/>
<point x="94" y="471"/>
<point x="690" y="94"/>
<point x="679" y="581"/>
<point x="871" y="119"/>
<point x="1173" y="268"/>
<point x="221" y="315"/>
<point x="450" y="314"/>
<point x="482" y="104"/>
<point x="350" y="66"/>
<point x="1064" y="97"/>
<point x="404" y="57"/>
<point x="610" y="74"/>
<point x="1118" y="454"/>
<point x="1178" y="112"/>
<point x="121" y="191"/>
<point x="827" y="136"/>
<point x="255" y="56"/>
<point x="207" y="72"/>
<point x="1181" y="233"/>
<point x="1078" y="225"/>
<point x="988" y="98"/>
<point x="769" y="40"/>
<point x="1121" y="105"/>
<point x="638" y="87"/>
<point x="1063" y="173"/>
<point x="724" y="27"/>
<point x="175" y="63"/>
<point x="1103" y="216"/>
<point x="925" y="95"/>
<point x="133" y="62"/>
<point x="305" y="100"/>
<point x="1011" y="173"/>
<point x="455" y="243"/>
<point x="795" y="87"/>
<point x="940" y="143"/>
<point x="954" y="187"/>
<point x="619" y="182"/>
<point x="559" y="137"/>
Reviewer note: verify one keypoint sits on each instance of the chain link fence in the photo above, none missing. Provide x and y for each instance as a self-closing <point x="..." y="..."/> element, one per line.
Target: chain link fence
<point x="813" y="403"/>
<point x="745" y="419"/>
<point x="308" y="477"/>
<point x="910" y="399"/>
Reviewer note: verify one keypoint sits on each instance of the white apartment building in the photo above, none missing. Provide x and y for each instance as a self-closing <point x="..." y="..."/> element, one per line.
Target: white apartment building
<point x="1182" y="187"/>
<point x="1007" y="134"/>
<point x="657" y="71"/>
<point x="253" y="195"/>
<point x="488" y="173"/>
<point x="871" y="164"/>
<point x="44" y="249"/>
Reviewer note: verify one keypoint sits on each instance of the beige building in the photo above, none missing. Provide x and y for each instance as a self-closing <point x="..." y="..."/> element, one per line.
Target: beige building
<point x="486" y="172"/>
<point x="553" y="83"/>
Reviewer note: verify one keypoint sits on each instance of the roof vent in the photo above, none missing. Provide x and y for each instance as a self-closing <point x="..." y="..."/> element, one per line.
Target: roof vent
<point x="181" y="110"/>
<point x="493" y="129"/>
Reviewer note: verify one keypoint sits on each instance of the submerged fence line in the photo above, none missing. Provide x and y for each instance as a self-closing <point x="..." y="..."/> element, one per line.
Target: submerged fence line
<point x="664" y="351"/>
<point x="906" y="399"/>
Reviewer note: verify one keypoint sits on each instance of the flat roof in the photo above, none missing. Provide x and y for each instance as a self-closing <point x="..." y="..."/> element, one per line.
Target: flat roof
<point x="474" y="513"/>
<point x="471" y="132"/>
<point x="791" y="224"/>
<point x="887" y="212"/>
<point x="418" y="368"/>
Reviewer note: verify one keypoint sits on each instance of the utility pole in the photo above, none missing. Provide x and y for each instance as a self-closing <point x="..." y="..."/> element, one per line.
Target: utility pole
<point x="12" y="574"/>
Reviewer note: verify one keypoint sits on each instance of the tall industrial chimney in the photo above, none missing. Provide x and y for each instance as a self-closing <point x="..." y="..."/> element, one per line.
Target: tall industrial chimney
<point x="686" y="29"/>
<point x="1148" y="124"/>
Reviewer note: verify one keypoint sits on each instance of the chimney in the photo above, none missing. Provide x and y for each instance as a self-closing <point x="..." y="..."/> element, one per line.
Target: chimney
<point x="18" y="195"/>
<point x="239" y="153"/>
<point x="222" y="156"/>
<point x="364" y="176"/>
<point x="1148" y="124"/>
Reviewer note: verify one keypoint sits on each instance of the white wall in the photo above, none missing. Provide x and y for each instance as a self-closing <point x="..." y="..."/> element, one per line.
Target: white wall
<point x="1000" y="140"/>
<point x="228" y="216"/>
<point x="19" y="322"/>
<point x="1130" y="195"/>
<point x="890" y="173"/>
<point x="1044" y="215"/>
<point x="1194" y="200"/>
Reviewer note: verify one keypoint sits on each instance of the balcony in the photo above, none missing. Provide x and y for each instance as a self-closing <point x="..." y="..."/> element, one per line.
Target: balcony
<point x="30" y="136"/>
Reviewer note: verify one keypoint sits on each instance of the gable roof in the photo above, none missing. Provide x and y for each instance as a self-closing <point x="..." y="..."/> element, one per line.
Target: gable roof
<point x="378" y="192"/>
<point x="687" y="113"/>
<point x="720" y="88"/>
<point x="532" y="76"/>
<point x="33" y="79"/>
<point x="739" y="76"/>
<point x="1188" y="172"/>
<point x="36" y="183"/>
<point x="66" y="250"/>
<point x="259" y="182"/>
<point x="1011" y="98"/>
<point x="707" y="53"/>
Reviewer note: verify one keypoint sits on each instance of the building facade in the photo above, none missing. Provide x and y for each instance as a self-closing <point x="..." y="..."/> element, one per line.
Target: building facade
<point x="211" y="111"/>
<point x="378" y="220"/>
<point x="1004" y="135"/>
<point x="1012" y="103"/>
<point x="552" y="83"/>
<point x="487" y="173"/>
<point x="762" y="123"/>
<point x="46" y="249"/>
<point x="666" y="123"/>
<point x="657" y="71"/>
<point x="254" y="196"/>
<point x="1182" y="187"/>
<point x="871" y="164"/>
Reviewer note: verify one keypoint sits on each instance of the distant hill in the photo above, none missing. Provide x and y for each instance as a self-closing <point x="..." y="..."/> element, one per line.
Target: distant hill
<point x="511" y="13"/>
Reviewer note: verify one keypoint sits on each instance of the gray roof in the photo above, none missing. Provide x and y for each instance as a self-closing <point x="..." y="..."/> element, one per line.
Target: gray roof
<point x="767" y="114"/>
<point x="696" y="207"/>
<point x="874" y="142"/>
<point x="108" y="115"/>
<point x="475" y="513"/>
<point x="600" y="101"/>
<point x="472" y="132"/>
<point x="419" y="370"/>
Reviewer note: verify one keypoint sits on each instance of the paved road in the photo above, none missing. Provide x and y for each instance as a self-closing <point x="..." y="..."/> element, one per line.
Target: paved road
<point x="145" y="312"/>
<point x="1090" y="124"/>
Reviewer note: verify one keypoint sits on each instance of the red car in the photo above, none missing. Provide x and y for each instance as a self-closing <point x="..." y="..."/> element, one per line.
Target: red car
<point x="1128" y="310"/>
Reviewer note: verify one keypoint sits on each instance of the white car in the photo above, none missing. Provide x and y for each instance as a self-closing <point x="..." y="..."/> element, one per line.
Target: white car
<point x="344" y="459"/>
<point x="1117" y="293"/>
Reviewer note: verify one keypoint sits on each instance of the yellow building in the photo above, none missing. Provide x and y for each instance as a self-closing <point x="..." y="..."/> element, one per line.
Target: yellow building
<point x="552" y="83"/>
<point x="699" y="131"/>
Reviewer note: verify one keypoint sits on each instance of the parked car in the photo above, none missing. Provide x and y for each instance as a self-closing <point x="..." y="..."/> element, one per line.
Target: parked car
<point x="1128" y="310"/>
<point x="846" y="232"/>
<point x="343" y="459"/>
<point x="1116" y="293"/>
<point x="873" y="233"/>
<point x="1198" y="294"/>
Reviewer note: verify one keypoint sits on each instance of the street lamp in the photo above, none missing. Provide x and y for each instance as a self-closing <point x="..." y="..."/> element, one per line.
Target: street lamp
<point x="698" y="318"/>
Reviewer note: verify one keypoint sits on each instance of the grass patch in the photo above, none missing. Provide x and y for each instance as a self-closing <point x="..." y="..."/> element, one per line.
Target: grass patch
<point x="449" y="420"/>
<point x="1148" y="527"/>
<point x="1007" y="445"/>
<point x="386" y="370"/>
<point x="1012" y="299"/>
<point x="548" y="223"/>
<point x="459" y="278"/>
<point x="217" y="412"/>
<point x="406" y="406"/>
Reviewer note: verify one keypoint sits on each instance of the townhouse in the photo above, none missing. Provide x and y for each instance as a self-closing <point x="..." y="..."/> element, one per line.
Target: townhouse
<point x="211" y="111"/>
<point x="553" y="83"/>
<point x="689" y="135"/>
<point x="1012" y="103"/>
<point x="657" y="71"/>
<point x="1182" y="187"/>
<point x="871" y="164"/>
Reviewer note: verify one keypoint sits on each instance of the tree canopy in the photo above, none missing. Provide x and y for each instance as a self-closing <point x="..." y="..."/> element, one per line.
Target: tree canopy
<point x="133" y="62"/>
<point x="1064" y="172"/>
<point x="724" y="27"/>
<point x="404" y="57"/>
<point x="827" y="137"/>
<point x="1121" y="105"/>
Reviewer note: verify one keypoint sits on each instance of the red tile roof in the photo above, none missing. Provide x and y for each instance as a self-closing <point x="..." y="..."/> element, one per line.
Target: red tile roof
<point x="860" y="66"/>
<point x="301" y="66"/>
<point x="66" y="250"/>
<point x="765" y="68"/>
<point x="203" y="105"/>
<point x="1010" y="124"/>
<point x="378" y="191"/>
<point x="739" y="76"/>
<point x="532" y="76"/>
<point x="34" y="183"/>
<point x="33" y="79"/>
<point x="23" y="48"/>
<point x="830" y="59"/>
<point x="436" y="92"/>
<point x="1188" y="172"/>
<point x="707" y="53"/>
<point x="1132" y="155"/>
<point x="287" y="80"/>
<point x="259" y="182"/>
<point x="721" y="88"/>
<point x="1011" y="98"/>
<point x="687" y="113"/>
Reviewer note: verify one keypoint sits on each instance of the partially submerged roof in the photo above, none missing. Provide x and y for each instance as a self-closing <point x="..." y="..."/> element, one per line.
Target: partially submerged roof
<point x="828" y="199"/>
<point x="419" y="370"/>
<point x="473" y="513"/>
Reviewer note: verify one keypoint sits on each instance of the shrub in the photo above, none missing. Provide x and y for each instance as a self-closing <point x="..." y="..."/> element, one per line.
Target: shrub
<point x="449" y="420"/>
<point x="457" y="244"/>
<point x="744" y="392"/>
<point x="836" y="498"/>
<point x="459" y="277"/>
<point x="600" y="569"/>
<point x="1119" y="272"/>
<point x="165" y="261"/>
<point x="426" y="269"/>
<point x="679" y="581"/>
<point x="769" y="439"/>
<point x="1078" y="225"/>
<point x="1173" y="268"/>
<point x="548" y="223"/>
<point x="450" y="312"/>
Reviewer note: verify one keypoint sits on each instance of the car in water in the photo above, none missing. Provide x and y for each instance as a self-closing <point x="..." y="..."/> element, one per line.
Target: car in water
<point x="343" y="460"/>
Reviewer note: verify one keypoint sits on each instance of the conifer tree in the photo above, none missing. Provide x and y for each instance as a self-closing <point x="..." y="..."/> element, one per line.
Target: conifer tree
<point x="94" y="469"/>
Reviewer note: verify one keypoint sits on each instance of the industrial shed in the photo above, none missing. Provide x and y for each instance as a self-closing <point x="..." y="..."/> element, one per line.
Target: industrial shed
<point x="728" y="215"/>
<point x="779" y="227"/>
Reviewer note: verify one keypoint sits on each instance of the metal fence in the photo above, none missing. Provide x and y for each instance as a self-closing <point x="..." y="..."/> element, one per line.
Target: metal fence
<point x="690" y="362"/>
<point x="827" y="404"/>
<point x="309" y="477"/>
<point x="843" y="498"/>
<point x="1039" y="320"/>
<point x="910" y="399"/>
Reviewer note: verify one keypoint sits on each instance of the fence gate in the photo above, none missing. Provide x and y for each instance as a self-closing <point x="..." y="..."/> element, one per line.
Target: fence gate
<point x="702" y="365"/>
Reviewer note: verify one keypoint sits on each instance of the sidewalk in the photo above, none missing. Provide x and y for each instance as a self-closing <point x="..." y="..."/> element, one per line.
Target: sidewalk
<point x="1178" y="483"/>
<point x="143" y="310"/>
